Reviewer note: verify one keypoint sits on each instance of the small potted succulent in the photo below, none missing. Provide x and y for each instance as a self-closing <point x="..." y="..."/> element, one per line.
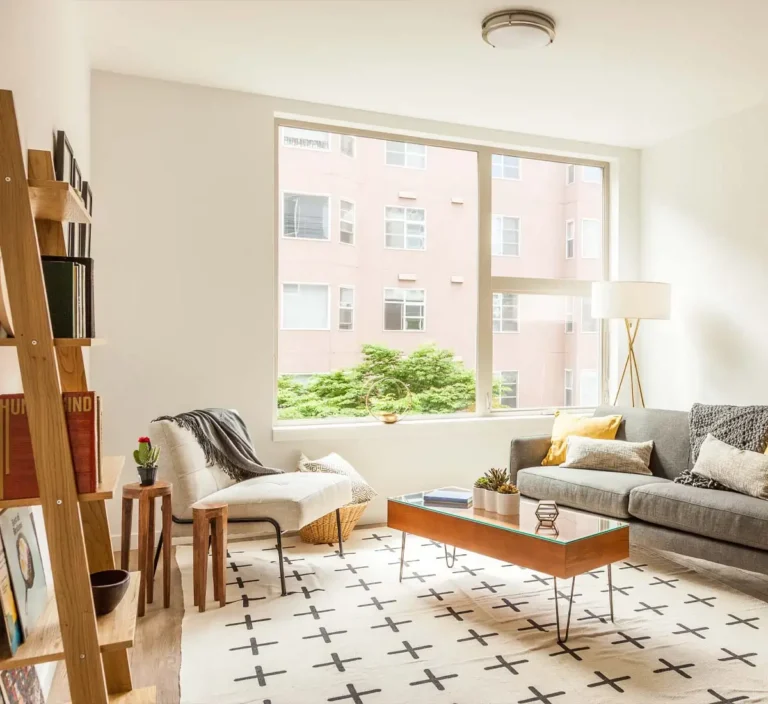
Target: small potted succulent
<point x="508" y="500"/>
<point x="495" y="477"/>
<point x="479" y="492"/>
<point x="146" y="461"/>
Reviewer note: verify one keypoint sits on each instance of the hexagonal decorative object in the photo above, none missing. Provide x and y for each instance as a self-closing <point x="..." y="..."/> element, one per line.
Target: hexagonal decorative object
<point x="547" y="513"/>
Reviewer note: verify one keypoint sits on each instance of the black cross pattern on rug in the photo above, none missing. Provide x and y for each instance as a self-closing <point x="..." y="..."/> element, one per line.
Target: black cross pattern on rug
<point x="596" y="574"/>
<point x="314" y="612"/>
<point x="288" y="561"/>
<point x="261" y="676"/>
<point x="432" y="543"/>
<point x="744" y="621"/>
<point x="376" y="537"/>
<point x="407" y="563"/>
<point x="466" y="570"/>
<point x="432" y="679"/>
<point x="350" y="568"/>
<point x="698" y="600"/>
<point x="248" y="622"/>
<point x="246" y="600"/>
<point x="679" y="669"/>
<point x="306" y="592"/>
<point x="536" y="626"/>
<point x="456" y="614"/>
<point x="562" y="595"/>
<point x="474" y="635"/>
<point x="724" y="700"/>
<point x="509" y="605"/>
<point x="337" y="661"/>
<point x="324" y="634"/>
<point x="386" y="548"/>
<point x="490" y="587"/>
<point x="362" y="583"/>
<point x="254" y="646"/>
<point x="539" y="697"/>
<point x="538" y="578"/>
<point x="630" y="566"/>
<point x="285" y="547"/>
<point x="603" y="618"/>
<point x="235" y="567"/>
<point x="629" y="639"/>
<point x="432" y="593"/>
<point x="667" y="582"/>
<point x="295" y="574"/>
<point x="378" y="604"/>
<point x="742" y="658"/>
<point x="510" y="666"/>
<point x="609" y="680"/>
<point x="389" y="623"/>
<point x="354" y="695"/>
<point x="622" y="590"/>
<point x="240" y="582"/>
<point x="408" y="648"/>
<point x="656" y="609"/>
<point x="337" y="553"/>
<point x="573" y="652"/>
<point x="421" y="577"/>
<point x="693" y="631"/>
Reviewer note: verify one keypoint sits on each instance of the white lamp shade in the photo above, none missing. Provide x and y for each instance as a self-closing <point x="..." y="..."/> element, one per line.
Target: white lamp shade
<point x="631" y="299"/>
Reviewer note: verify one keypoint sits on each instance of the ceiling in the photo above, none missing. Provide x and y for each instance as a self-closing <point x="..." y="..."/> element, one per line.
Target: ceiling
<point x="623" y="72"/>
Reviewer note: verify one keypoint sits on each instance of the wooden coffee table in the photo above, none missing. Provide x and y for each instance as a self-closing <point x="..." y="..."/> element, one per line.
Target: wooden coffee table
<point x="583" y="543"/>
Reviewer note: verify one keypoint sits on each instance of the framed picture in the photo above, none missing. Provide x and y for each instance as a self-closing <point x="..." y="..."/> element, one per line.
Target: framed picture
<point x="77" y="179"/>
<point x="21" y="686"/>
<point x="84" y="245"/>
<point x="63" y="158"/>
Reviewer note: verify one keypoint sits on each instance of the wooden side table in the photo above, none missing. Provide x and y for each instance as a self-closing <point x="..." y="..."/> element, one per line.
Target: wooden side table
<point x="209" y="524"/>
<point x="146" y="496"/>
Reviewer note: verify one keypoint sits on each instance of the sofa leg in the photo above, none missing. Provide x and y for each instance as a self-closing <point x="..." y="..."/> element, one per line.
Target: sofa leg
<point x="338" y="529"/>
<point x="280" y="559"/>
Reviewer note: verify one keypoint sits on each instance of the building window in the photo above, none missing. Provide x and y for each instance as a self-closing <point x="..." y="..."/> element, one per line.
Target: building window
<point x="306" y="216"/>
<point x="405" y="228"/>
<point x="506" y="167"/>
<point x="588" y="323"/>
<point x="570" y="174"/>
<point x="591" y="234"/>
<point x="306" y="306"/>
<point x="346" y="308"/>
<point x="568" y="395"/>
<point x="570" y="239"/>
<point x="591" y="174"/>
<point x="306" y="139"/>
<point x="507" y="388"/>
<point x="569" y="305"/>
<point x="346" y="221"/>
<point x="506" y="236"/>
<point x="302" y="379"/>
<point x="407" y="154"/>
<point x="589" y="394"/>
<point x="348" y="145"/>
<point x="506" y="312"/>
<point x="405" y="309"/>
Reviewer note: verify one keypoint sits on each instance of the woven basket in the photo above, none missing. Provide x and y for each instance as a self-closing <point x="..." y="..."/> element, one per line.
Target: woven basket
<point x="324" y="530"/>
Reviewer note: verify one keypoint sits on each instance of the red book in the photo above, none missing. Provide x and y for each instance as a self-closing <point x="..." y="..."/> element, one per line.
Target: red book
<point x="17" y="463"/>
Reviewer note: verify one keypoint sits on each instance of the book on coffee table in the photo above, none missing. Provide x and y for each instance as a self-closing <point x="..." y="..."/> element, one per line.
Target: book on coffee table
<point x="458" y="498"/>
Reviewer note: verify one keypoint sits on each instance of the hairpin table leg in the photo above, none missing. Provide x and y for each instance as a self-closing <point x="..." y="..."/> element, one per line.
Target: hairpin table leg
<point x="402" y="555"/>
<point x="560" y="638"/>
<point x="453" y="559"/>
<point x="610" y="590"/>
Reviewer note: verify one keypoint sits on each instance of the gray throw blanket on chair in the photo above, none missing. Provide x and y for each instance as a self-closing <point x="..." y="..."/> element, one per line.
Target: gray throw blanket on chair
<point x="225" y="441"/>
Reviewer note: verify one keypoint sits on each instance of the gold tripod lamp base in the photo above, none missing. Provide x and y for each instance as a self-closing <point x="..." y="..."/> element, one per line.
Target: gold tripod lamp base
<point x="631" y="364"/>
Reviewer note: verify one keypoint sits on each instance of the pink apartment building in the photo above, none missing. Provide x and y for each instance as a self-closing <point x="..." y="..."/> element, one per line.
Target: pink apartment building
<point x="378" y="244"/>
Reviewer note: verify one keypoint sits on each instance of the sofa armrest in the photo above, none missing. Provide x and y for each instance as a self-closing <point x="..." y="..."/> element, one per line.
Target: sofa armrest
<point x="527" y="452"/>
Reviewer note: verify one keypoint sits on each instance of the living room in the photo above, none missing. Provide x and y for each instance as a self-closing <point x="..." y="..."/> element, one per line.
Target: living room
<point x="402" y="236"/>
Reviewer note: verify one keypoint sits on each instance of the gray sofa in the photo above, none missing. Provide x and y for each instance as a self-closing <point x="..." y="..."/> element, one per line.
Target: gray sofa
<point x="720" y="526"/>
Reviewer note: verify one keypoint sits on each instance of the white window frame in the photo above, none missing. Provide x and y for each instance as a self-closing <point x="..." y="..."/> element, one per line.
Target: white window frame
<point x="584" y="253"/>
<point x="498" y="376"/>
<point x="568" y="388"/>
<point x="403" y="316"/>
<point x="584" y="330"/>
<point x="353" y="142"/>
<point x="405" y="154"/>
<point x="283" y="284"/>
<point x="519" y="176"/>
<point x="343" y="306"/>
<point x="572" y="239"/>
<point x="582" y="374"/>
<point x="309" y="149"/>
<point x="286" y="192"/>
<point x="586" y="170"/>
<point x="347" y="221"/>
<point x="570" y="319"/>
<point x="570" y="174"/>
<point x="516" y="319"/>
<point x="498" y="217"/>
<point x="405" y="210"/>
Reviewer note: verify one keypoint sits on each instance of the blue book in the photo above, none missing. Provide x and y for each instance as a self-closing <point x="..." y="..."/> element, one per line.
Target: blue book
<point x="453" y="497"/>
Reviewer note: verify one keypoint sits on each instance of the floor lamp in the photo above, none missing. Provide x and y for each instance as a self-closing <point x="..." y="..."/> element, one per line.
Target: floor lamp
<point x="630" y="301"/>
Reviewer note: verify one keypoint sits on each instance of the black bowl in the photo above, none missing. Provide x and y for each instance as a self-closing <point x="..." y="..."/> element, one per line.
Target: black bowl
<point x="109" y="587"/>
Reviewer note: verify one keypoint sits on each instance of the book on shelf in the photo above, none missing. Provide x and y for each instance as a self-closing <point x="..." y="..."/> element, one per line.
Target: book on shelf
<point x="21" y="686"/>
<point x="458" y="498"/>
<point x="11" y="635"/>
<point x="18" y="479"/>
<point x="25" y="565"/>
<point x="69" y="289"/>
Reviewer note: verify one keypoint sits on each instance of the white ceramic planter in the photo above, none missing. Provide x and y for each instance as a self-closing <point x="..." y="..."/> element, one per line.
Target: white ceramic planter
<point x="490" y="501"/>
<point x="508" y="504"/>
<point x="478" y="497"/>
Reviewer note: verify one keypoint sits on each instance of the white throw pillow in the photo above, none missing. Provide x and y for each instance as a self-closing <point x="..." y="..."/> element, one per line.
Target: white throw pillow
<point x="608" y="455"/>
<point x="362" y="491"/>
<point x="739" y="470"/>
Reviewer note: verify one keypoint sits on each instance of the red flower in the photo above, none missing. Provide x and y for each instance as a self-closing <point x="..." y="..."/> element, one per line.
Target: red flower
<point x="144" y="438"/>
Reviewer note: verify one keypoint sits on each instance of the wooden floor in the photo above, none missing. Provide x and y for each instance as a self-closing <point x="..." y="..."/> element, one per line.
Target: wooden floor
<point x="156" y="657"/>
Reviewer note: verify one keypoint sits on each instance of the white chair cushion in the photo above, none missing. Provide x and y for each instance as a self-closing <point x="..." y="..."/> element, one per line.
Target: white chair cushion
<point x="293" y="499"/>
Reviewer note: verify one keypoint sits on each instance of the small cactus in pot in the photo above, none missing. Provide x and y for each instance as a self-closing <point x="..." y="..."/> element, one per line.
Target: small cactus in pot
<point x="146" y="461"/>
<point x="480" y="492"/>
<point x="508" y="499"/>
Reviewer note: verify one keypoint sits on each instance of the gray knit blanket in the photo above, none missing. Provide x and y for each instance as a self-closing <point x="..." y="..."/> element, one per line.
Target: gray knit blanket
<point x="224" y="439"/>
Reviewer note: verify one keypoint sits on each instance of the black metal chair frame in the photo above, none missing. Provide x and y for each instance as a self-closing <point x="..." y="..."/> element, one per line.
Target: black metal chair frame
<point x="278" y="535"/>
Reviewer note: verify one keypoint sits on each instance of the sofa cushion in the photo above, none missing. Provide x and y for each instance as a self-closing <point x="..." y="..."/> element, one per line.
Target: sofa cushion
<point x="293" y="499"/>
<point x="715" y="514"/>
<point x="606" y="493"/>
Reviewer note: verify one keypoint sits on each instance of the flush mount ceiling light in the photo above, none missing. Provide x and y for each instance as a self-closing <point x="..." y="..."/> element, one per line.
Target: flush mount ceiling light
<point x="518" y="29"/>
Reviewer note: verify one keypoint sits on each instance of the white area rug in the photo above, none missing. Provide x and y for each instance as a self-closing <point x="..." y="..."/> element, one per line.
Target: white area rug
<point x="480" y="633"/>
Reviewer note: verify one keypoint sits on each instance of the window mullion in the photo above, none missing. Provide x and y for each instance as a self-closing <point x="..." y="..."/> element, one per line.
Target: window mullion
<point x="484" y="371"/>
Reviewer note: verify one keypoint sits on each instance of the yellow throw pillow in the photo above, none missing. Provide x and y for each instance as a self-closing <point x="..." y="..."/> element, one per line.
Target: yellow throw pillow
<point x="601" y="428"/>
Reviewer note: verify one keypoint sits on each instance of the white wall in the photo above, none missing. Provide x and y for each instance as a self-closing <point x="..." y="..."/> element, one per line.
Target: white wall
<point x="185" y="276"/>
<point x="42" y="60"/>
<point x="705" y="230"/>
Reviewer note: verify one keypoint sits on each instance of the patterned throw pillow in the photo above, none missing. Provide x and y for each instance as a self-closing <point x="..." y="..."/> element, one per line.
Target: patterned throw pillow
<point x="362" y="491"/>
<point x="743" y="427"/>
<point x="608" y="455"/>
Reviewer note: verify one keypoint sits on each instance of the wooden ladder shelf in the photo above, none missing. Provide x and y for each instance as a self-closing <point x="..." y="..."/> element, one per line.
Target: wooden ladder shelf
<point x="94" y="649"/>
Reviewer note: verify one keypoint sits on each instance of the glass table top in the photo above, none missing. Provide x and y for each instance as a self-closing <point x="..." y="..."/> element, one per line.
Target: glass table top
<point x="572" y="525"/>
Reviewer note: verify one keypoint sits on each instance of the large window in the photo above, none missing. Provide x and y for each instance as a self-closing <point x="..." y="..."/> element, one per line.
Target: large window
<point x="506" y="167"/>
<point x="411" y="156"/>
<point x="306" y="216"/>
<point x="506" y="236"/>
<point x="505" y="312"/>
<point x="405" y="309"/>
<point x="306" y="306"/>
<point x="506" y="383"/>
<point x="306" y="139"/>
<point x="405" y="228"/>
<point x="346" y="222"/>
<point x="589" y="389"/>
